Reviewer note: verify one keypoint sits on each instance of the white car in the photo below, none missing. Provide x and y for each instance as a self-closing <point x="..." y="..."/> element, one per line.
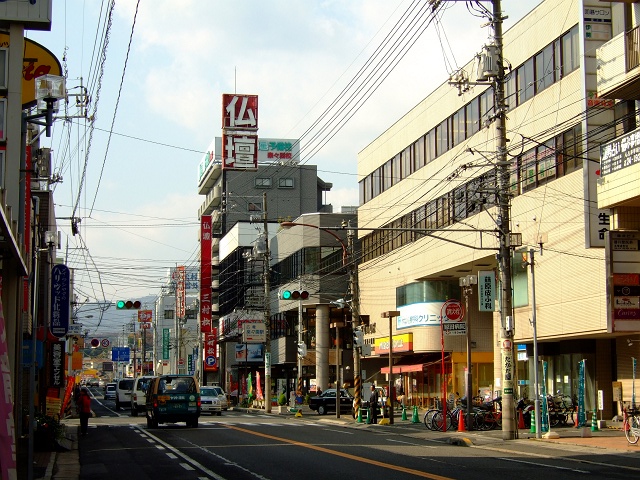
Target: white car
<point x="209" y="401"/>
<point x="139" y="394"/>
<point x="224" y="403"/>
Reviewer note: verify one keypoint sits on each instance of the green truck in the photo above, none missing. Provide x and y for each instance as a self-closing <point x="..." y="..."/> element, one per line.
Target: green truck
<point x="171" y="399"/>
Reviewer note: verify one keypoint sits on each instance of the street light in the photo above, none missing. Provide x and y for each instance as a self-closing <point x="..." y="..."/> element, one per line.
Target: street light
<point x="355" y="304"/>
<point x="390" y="315"/>
<point x="466" y="284"/>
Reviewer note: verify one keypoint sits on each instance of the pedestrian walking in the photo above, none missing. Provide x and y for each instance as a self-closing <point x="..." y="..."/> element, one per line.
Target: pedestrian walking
<point x="373" y="404"/>
<point x="85" y="410"/>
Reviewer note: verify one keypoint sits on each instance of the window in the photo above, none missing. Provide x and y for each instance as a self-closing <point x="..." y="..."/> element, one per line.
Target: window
<point x="3" y="119"/>
<point x="263" y="183"/>
<point x="545" y="68"/>
<point x="418" y="154"/>
<point x="285" y="183"/>
<point x="473" y="117"/>
<point x="386" y="176"/>
<point x="526" y="81"/>
<point x="570" y="51"/>
<point x="376" y="182"/>
<point x="431" y="145"/>
<point x="547" y="161"/>
<point x="395" y="170"/>
<point x="528" y="170"/>
<point x="4" y="68"/>
<point x="625" y="115"/>
<point x="407" y="163"/>
<point x="442" y="137"/>
<point x="510" y="96"/>
<point x="572" y="150"/>
<point x="458" y="126"/>
<point x="486" y="105"/>
<point x="168" y="314"/>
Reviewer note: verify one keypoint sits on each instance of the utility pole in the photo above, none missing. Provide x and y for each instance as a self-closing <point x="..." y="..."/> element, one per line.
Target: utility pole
<point x="509" y="431"/>
<point x="267" y="309"/>
<point x="355" y="316"/>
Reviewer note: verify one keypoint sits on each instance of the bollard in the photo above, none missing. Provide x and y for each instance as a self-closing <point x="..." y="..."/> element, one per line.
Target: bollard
<point x="414" y="417"/>
<point x="404" y="413"/>
<point x="533" y="422"/>
<point x="594" y="423"/>
<point x="359" y="416"/>
<point x="368" y="415"/>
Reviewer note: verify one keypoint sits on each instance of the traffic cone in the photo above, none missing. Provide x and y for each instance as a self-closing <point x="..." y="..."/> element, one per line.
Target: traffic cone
<point x="576" y="422"/>
<point x="594" y="422"/>
<point x="461" y="422"/>
<point x="520" y="419"/>
<point x="359" y="417"/>
<point x="414" y="417"/>
<point x="404" y="413"/>
<point x="533" y="422"/>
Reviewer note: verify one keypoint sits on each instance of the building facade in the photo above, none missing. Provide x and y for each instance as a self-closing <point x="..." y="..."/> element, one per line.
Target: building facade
<point x="431" y="179"/>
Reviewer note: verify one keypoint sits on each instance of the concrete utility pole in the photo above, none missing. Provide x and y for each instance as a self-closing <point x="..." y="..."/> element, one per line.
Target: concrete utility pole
<point x="355" y="316"/>
<point x="509" y="424"/>
<point x="267" y="310"/>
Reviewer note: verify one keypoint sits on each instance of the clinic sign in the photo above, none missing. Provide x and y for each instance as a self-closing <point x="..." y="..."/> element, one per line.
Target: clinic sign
<point x="430" y="314"/>
<point x="60" y="300"/>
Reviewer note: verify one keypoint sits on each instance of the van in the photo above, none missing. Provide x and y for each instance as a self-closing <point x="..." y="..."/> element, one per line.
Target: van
<point x="123" y="392"/>
<point x="139" y="394"/>
<point x="110" y="391"/>
<point x="173" y="398"/>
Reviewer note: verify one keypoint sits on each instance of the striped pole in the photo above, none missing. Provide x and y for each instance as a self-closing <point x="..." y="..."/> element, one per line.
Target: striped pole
<point x="357" y="394"/>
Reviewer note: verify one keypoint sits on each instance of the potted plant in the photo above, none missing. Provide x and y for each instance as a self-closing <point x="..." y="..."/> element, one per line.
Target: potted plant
<point x="282" y="402"/>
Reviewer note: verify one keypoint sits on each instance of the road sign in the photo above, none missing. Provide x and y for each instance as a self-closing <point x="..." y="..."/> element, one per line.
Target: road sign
<point x="181" y="361"/>
<point x="452" y="311"/>
<point x="210" y="361"/>
<point x="95" y="342"/>
<point x="105" y="342"/>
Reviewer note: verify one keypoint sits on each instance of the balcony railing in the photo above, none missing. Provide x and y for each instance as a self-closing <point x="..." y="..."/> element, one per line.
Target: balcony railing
<point x="633" y="48"/>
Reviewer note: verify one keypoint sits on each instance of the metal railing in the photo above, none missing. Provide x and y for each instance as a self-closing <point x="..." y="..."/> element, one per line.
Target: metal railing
<point x="633" y="48"/>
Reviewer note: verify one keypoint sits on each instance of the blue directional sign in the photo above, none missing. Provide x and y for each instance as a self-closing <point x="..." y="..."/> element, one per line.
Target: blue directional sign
<point x="60" y="300"/>
<point x="120" y="354"/>
<point x="210" y="361"/>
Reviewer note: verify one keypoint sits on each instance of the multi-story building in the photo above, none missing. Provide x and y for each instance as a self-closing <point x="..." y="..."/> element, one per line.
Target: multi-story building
<point x="432" y="176"/>
<point x="233" y="198"/>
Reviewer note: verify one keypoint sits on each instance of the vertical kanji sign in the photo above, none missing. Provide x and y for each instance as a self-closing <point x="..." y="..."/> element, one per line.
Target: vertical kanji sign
<point x="239" y="131"/>
<point x="60" y="300"/>
<point x="205" y="273"/>
<point x="210" y="351"/>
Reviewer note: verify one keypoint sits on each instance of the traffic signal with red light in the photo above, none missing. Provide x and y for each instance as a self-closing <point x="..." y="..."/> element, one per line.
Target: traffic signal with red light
<point x="293" y="295"/>
<point x="128" y="304"/>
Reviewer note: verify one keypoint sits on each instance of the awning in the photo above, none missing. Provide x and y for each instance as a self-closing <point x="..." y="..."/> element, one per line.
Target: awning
<point x="404" y="368"/>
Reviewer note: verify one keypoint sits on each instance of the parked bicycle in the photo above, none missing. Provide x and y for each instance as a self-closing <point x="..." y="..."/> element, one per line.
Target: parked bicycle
<point x="631" y="425"/>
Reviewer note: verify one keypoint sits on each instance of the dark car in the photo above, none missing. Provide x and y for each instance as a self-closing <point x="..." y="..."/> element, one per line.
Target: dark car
<point x="173" y="398"/>
<point x="326" y="402"/>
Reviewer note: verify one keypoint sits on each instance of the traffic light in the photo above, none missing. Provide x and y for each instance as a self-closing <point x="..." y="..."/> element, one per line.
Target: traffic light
<point x="293" y="295"/>
<point x="128" y="304"/>
<point x="358" y="337"/>
<point x="302" y="349"/>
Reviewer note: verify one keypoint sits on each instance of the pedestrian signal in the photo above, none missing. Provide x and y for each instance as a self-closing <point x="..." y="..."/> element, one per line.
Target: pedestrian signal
<point x="294" y="295"/>
<point x="128" y="304"/>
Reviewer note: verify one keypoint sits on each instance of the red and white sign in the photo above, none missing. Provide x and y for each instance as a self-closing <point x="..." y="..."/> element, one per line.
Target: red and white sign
<point x="210" y="350"/>
<point x="181" y="294"/>
<point x="205" y="273"/>
<point x="452" y="311"/>
<point x="145" y="316"/>
<point x="239" y="131"/>
<point x="239" y="111"/>
<point x="239" y="151"/>
<point x="105" y="343"/>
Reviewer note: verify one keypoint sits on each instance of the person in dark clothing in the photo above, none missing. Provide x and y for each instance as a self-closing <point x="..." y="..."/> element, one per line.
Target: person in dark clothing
<point x="84" y="401"/>
<point x="373" y="404"/>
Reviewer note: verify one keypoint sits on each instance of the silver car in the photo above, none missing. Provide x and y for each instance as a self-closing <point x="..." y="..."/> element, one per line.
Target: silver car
<point x="209" y="401"/>
<point x="224" y="403"/>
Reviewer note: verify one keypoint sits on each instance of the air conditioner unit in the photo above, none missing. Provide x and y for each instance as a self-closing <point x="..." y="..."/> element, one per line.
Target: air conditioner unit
<point x="488" y="63"/>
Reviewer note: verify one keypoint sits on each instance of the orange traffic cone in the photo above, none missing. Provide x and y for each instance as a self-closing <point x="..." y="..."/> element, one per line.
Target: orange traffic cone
<point x="461" y="422"/>
<point x="576" y="423"/>
<point x="521" y="419"/>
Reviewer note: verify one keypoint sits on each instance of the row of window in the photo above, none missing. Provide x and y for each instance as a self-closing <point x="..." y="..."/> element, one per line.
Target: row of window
<point x="555" y="158"/>
<point x="553" y="62"/>
<point x="267" y="183"/>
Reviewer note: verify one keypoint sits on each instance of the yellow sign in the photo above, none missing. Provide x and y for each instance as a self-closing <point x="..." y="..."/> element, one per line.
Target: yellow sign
<point x="401" y="343"/>
<point x="37" y="61"/>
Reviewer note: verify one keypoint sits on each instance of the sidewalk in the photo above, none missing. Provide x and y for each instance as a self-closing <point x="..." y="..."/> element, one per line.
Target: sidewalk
<point x="65" y="465"/>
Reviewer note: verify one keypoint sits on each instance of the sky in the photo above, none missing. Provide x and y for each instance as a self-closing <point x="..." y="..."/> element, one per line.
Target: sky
<point x="156" y="72"/>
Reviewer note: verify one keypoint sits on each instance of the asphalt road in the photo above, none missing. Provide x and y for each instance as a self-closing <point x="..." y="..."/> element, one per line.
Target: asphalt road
<point x="239" y="446"/>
